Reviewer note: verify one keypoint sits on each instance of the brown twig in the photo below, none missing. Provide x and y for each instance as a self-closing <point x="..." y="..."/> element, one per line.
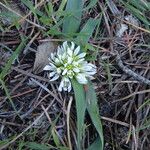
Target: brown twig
<point x="29" y="74"/>
<point x="130" y="72"/>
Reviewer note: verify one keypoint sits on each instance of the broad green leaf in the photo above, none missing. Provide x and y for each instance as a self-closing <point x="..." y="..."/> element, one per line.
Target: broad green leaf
<point x="72" y="21"/>
<point x="80" y="108"/>
<point x="7" y="67"/>
<point x="87" y="31"/>
<point x="93" y="111"/>
<point x="96" y="145"/>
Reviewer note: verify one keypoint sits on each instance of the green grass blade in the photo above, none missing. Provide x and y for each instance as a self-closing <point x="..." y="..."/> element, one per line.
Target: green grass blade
<point x="8" y="96"/>
<point x="36" y="146"/>
<point x="72" y="21"/>
<point x="55" y="138"/>
<point x="62" y="5"/>
<point x="7" y="67"/>
<point x="93" y="111"/>
<point x="91" y="4"/>
<point x="108" y="71"/>
<point x="87" y="31"/>
<point x="80" y="107"/>
<point x="137" y="11"/>
<point x="34" y="10"/>
<point x="147" y="102"/>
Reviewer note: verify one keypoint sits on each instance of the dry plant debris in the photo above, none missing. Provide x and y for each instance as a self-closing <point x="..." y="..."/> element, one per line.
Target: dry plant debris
<point x="122" y="82"/>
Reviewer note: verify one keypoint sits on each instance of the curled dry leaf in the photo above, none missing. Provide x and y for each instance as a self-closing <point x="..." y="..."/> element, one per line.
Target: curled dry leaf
<point x="43" y="52"/>
<point x="131" y="19"/>
<point x="121" y="28"/>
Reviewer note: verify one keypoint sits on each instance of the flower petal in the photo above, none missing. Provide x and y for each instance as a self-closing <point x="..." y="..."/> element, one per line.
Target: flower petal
<point x="51" y="64"/>
<point x="48" y="67"/>
<point x="69" y="52"/>
<point x="61" y="85"/>
<point x="55" y="77"/>
<point x="81" y="55"/>
<point x="76" y="70"/>
<point x="90" y="72"/>
<point x="52" y="74"/>
<point x="59" y="70"/>
<point x="81" y="79"/>
<point x="65" y="45"/>
<point x="64" y="72"/>
<point x="69" y="87"/>
<point x="70" y="59"/>
<point x="76" y="51"/>
<point x="52" y="56"/>
<point x="72" y="46"/>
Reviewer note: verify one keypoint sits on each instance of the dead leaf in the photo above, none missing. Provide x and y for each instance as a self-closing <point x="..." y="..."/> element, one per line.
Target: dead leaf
<point x="122" y="28"/>
<point x="43" y="52"/>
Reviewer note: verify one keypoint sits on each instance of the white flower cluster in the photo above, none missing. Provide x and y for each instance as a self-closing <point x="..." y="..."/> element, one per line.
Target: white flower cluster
<point x="68" y="62"/>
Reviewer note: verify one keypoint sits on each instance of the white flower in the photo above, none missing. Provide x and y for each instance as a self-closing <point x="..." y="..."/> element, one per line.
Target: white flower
<point x="67" y="63"/>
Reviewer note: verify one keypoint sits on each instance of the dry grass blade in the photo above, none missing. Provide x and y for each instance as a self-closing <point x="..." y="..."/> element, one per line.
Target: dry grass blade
<point x="68" y="124"/>
<point x="136" y="93"/>
<point x="105" y="29"/>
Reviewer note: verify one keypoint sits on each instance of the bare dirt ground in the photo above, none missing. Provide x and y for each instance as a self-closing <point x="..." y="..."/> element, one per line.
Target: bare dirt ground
<point x="122" y="84"/>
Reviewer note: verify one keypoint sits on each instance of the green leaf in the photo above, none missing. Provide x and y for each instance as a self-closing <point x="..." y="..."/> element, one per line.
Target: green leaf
<point x="72" y="21"/>
<point x="62" y="5"/>
<point x="93" y="111"/>
<point x="8" y="95"/>
<point x="10" y="16"/>
<point x="87" y="31"/>
<point x="95" y="145"/>
<point x="55" y="137"/>
<point x="36" y="146"/>
<point x="80" y="108"/>
<point x="32" y="8"/>
<point x="91" y="4"/>
<point x="147" y="102"/>
<point x="137" y="11"/>
<point x="7" y="67"/>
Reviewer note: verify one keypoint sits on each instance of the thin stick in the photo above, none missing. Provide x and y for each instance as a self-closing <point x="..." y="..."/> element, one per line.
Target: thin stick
<point x="130" y="72"/>
<point x="115" y="121"/>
